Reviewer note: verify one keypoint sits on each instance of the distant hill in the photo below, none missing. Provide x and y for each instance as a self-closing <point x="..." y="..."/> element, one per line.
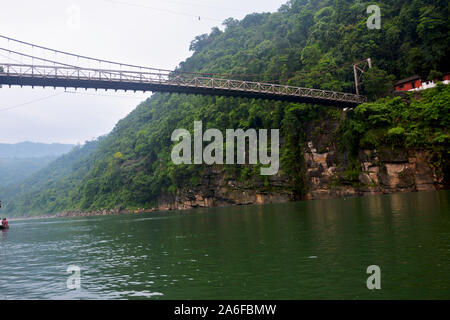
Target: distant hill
<point x="19" y="161"/>
<point x="33" y="150"/>
<point x="14" y="170"/>
<point x="53" y="176"/>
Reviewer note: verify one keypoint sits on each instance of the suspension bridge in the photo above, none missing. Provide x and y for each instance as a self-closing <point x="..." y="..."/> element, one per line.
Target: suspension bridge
<point x="27" y="64"/>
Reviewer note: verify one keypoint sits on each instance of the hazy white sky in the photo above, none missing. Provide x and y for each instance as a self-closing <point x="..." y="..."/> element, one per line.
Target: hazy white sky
<point x="154" y="33"/>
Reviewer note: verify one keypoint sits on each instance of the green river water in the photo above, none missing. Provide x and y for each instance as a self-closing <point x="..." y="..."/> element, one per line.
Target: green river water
<point x="304" y="250"/>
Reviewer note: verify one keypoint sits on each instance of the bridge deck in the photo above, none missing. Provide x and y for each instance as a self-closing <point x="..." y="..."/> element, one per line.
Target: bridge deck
<point x="75" y="77"/>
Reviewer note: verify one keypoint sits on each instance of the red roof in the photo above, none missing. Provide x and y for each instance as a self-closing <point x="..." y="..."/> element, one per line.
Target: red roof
<point x="406" y="80"/>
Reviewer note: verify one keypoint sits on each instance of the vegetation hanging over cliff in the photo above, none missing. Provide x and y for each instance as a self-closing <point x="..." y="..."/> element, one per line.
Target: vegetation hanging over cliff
<point x="419" y="120"/>
<point x="306" y="43"/>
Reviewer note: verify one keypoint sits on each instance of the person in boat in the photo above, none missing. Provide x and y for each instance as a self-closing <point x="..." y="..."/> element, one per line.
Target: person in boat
<point x="5" y="223"/>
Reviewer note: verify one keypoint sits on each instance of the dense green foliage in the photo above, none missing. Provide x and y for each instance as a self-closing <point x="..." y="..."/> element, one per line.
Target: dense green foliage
<point x="306" y="43"/>
<point x="314" y="43"/>
<point x="420" y="123"/>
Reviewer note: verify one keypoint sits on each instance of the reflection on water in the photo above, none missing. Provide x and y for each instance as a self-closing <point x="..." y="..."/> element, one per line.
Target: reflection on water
<point x="304" y="250"/>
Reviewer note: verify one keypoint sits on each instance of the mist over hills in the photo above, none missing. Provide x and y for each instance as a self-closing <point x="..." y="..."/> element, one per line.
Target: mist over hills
<point x="33" y="150"/>
<point x="20" y="160"/>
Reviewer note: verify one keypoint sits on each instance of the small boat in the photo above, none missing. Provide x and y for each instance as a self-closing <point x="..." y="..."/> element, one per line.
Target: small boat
<point x="4" y="228"/>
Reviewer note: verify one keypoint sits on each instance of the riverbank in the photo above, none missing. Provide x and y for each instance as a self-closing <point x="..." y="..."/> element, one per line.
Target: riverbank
<point x="111" y="212"/>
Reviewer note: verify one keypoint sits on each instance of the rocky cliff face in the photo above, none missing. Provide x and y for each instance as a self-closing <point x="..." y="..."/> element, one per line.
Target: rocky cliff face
<point x="328" y="174"/>
<point x="382" y="171"/>
<point x="217" y="188"/>
<point x="378" y="171"/>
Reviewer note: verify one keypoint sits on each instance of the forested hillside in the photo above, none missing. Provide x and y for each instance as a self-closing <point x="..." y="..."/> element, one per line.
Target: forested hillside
<point x="20" y="160"/>
<point x="50" y="184"/>
<point x="15" y="170"/>
<point x="306" y="43"/>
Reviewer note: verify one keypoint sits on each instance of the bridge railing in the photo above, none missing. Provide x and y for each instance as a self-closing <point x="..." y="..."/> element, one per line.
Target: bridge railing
<point x="172" y="79"/>
<point x="67" y="72"/>
<point x="30" y="60"/>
